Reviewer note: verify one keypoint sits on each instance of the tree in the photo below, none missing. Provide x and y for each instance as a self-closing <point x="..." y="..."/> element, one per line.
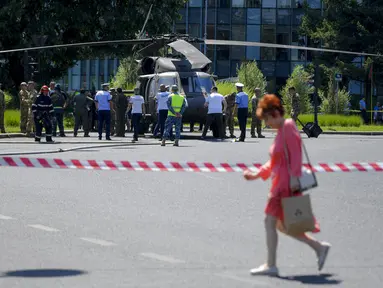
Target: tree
<point x="349" y="25"/>
<point x="126" y="75"/>
<point x="76" y="21"/>
<point x="252" y="77"/>
<point x="299" y="79"/>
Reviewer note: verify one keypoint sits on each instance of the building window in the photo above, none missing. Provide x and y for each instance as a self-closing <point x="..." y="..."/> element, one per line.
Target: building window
<point x="253" y="16"/>
<point x="284" y="3"/>
<point x="282" y="69"/>
<point x="268" y="53"/>
<point x="180" y="28"/>
<point x="223" y="69"/>
<point x="238" y="3"/>
<point x="253" y="33"/>
<point x="210" y="16"/>
<point x="224" y="3"/>
<point x="223" y="32"/>
<point x="194" y="30"/>
<point x="238" y="32"/>
<point x="268" y="34"/>
<point x="92" y="67"/>
<point x="297" y="3"/>
<point x="195" y="3"/>
<point x="269" y="3"/>
<point x="268" y="16"/>
<point x="315" y="4"/>
<point x="210" y="31"/>
<point x="268" y="68"/>
<point x="297" y="40"/>
<point x="111" y="68"/>
<point x="223" y="53"/>
<point x="238" y="16"/>
<point x="83" y="74"/>
<point x="194" y="15"/>
<point x="284" y="17"/>
<point x="284" y="38"/>
<point x="223" y="16"/>
<point x="253" y="3"/>
<point x="234" y="66"/>
<point x="297" y="16"/>
<point x="210" y="3"/>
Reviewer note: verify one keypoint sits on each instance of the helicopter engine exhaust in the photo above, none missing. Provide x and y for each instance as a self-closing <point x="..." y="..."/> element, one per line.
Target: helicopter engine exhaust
<point x="148" y="65"/>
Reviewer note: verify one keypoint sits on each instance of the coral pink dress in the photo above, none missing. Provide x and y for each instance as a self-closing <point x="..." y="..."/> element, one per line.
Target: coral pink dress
<point x="277" y="169"/>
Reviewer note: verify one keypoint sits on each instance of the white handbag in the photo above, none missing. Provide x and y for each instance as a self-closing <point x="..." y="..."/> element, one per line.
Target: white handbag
<point x="307" y="180"/>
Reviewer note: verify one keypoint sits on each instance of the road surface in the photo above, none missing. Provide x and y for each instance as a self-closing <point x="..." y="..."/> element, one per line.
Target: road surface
<point x="75" y="228"/>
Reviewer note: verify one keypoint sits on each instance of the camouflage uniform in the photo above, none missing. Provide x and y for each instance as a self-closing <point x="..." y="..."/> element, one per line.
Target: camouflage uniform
<point x="230" y="100"/>
<point x="2" y="110"/>
<point x="25" y="104"/>
<point x="295" y="106"/>
<point x="113" y="114"/>
<point x="255" y="122"/>
<point x="32" y="98"/>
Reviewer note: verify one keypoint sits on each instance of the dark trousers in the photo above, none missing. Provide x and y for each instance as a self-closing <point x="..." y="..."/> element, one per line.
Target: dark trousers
<point x="162" y="115"/>
<point x="58" y="120"/>
<point x="136" y="119"/>
<point x="104" y="117"/>
<point x="120" y="113"/>
<point x="218" y="119"/>
<point x="47" y="124"/>
<point x="242" y="121"/>
<point x="364" y="116"/>
<point x="83" y="119"/>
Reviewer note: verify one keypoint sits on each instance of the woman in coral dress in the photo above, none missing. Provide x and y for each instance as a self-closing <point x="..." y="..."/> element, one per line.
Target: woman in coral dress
<point x="271" y="110"/>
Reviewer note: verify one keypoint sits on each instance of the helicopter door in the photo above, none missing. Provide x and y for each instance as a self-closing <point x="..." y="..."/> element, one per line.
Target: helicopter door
<point x="151" y="95"/>
<point x="187" y="85"/>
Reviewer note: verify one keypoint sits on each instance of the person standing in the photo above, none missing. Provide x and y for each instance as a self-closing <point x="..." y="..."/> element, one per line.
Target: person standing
<point x="81" y="105"/>
<point x="162" y="108"/>
<point x="103" y="101"/>
<point x="113" y="116"/>
<point x="295" y="105"/>
<point x="59" y="101"/>
<point x="255" y="121"/>
<point x="137" y="103"/>
<point x="363" y="110"/>
<point x="121" y="107"/>
<point x="43" y="112"/>
<point x="242" y="105"/>
<point x="215" y="102"/>
<point x="176" y="107"/>
<point x="25" y="104"/>
<point x="230" y="101"/>
<point x="281" y="171"/>
<point x="2" y="109"/>
<point x="32" y="96"/>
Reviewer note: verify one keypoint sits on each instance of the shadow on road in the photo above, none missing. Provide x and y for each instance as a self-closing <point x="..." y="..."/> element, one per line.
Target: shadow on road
<point x="43" y="273"/>
<point x="319" y="279"/>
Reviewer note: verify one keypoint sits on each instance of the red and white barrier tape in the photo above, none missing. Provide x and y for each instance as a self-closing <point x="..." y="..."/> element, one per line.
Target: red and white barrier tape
<point x="173" y="166"/>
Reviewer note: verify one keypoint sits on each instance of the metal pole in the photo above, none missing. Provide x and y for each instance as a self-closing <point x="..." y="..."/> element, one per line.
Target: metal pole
<point x="205" y="48"/>
<point x="337" y="97"/>
<point x="316" y="83"/>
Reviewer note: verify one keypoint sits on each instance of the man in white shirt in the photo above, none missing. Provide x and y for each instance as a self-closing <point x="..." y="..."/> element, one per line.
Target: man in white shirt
<point x="137" y="103"/>
<point x="162" y="110"/>
<point x="103" y="102"/>
<point x="214" y="114"/>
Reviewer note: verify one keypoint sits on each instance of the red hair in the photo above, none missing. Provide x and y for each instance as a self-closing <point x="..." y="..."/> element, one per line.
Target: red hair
<point x="269" y="104"/>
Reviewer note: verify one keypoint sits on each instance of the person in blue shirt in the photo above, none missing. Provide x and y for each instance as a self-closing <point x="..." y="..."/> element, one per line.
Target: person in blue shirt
<point x="242" y="104"/>
<point x="103" y="102"/>
<point x="363" y="111"/>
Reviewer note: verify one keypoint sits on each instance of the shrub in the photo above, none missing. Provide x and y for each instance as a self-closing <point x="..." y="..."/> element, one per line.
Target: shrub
<point x="12" y="118"/>
<point x="300" y="80"/>
<point x="252" y="77"/>
<point x="126" y="75"/>
<point x="225" y="88"/>
<point x="333" y="120"/>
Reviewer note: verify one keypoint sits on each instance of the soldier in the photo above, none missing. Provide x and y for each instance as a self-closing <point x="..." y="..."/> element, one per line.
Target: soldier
<point x="81" y="103"/>
<point x="2" y="109"/>
<point x="230" y="100"/>
<point x="43" y="112"/>
<point x="24" y="107"/>
<point x="255" y="122"/>
<point x="295" y="105"/>
<point x="121" y="107"/>
<point x="113" y="93"/>
<point x="59" y="101"/>
<point x="32" y="98"/>
<point x="177" y="105"/>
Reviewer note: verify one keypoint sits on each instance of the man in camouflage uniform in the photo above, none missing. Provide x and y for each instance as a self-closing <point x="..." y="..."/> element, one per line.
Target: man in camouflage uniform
<point x="32" y="98"/>
<point x="2" y="109"/>
<point x="230" y="100"/>
<point x="113" y="115"/>
<point x="121" y="107"/>
<point x="255" y="122"/>
<point x="25" y="105"/>
<point x="295" y="105"/>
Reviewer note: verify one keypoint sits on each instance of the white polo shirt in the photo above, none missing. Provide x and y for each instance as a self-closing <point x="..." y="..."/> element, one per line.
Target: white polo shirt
<point x="162" y="99"/>
<point x="137" y="101"/>
<point x="215" y="103"/>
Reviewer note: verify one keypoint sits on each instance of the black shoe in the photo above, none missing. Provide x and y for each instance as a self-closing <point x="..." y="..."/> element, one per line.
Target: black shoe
<point x="253" y="136"/>
<point x="86" y="135"/>
<point x="37" y="139"/>
<point x="108" y="138"/>
<point x="261" y="136"/>
<point x="99" y="138"/>
<point x="62" y="135"/>
<point x="49" y="140"/>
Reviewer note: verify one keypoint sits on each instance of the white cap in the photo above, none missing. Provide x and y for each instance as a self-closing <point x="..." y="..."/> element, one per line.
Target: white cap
<point x="239" y="85"/>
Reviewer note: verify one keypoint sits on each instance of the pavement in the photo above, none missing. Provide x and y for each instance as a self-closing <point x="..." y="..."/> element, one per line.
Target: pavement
<point x="75" y="228"/>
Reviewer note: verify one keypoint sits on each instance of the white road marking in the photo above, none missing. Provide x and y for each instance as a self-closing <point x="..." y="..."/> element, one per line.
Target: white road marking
<point x="162" y="258"/>
<point x="3" y="217"/>
<point x="99" y="242"/>
<point x="251" y="281"/>
<point x="45" y="228"/>
<point x="208" y="176"/>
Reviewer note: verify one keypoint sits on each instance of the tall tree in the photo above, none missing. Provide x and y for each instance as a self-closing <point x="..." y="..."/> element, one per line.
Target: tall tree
<point x="348" y="25"/>
<point x="23" y="22"/>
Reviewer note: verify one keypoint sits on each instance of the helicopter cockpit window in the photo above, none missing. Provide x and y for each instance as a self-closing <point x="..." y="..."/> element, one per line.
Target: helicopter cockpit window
<point x="167" y="81"/>
<point x="202" y="83"/>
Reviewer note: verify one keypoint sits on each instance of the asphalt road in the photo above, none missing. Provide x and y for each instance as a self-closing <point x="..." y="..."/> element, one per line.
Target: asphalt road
<point x="74" y="228"/>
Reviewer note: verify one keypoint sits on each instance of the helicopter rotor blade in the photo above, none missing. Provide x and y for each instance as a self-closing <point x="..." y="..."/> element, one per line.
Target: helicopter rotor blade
<point x="270" y="45"/>
<point x="131" y="42"/>
<point x="193" y="55"/>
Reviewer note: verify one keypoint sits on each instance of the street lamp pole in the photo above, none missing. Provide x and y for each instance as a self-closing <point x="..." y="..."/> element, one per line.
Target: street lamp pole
<point x="205" y="48"/>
